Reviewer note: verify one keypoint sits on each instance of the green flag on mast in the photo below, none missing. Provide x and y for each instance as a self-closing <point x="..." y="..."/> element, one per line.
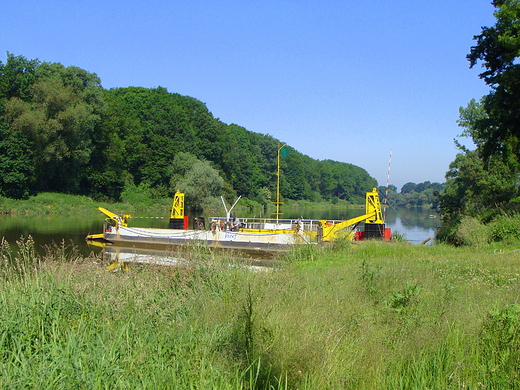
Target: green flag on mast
<point x="284" y="152"/>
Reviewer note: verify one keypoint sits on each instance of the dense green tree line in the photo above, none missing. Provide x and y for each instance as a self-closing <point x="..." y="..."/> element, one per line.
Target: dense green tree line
<point x="61" y="131"/>
<point x="483" y="183"/>
<point x="425" y="194"/>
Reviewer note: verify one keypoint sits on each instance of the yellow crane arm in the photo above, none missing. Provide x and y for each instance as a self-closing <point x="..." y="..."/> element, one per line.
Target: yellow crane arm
<point x="119" y="220"/>
<point x="330" y="232"/>
<point x="108" y="213"/>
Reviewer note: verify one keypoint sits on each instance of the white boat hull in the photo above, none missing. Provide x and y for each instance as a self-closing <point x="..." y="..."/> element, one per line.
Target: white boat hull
<point x="215" y="239"/>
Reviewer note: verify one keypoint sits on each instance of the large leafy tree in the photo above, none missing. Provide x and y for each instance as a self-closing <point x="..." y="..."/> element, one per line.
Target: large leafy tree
<point x="58" y="120"/>
<point x="144" y="129"/>
<point x="239" y="161"/>
<point x="345" y="181"/>
<point x="486" y="179"/>
<point x="16" y="166"/>
<point x="17" y="77"/>
<point x="408" y="187"/>
<point x="475" y="187"/>
<point x="201" y="184"/>
<point x="497" y="132"/>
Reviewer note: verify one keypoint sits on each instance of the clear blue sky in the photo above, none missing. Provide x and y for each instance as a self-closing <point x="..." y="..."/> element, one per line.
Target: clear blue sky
<point x="342" y="80"/>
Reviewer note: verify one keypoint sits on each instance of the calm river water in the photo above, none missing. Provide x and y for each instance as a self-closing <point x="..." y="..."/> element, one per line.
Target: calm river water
<point x="416" y="225"/>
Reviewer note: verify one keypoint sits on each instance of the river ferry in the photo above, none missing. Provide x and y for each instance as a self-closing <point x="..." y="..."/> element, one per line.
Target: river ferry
<point x="257" y="234"/>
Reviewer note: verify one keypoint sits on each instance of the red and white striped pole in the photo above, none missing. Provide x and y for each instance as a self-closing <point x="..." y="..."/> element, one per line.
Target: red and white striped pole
<point x="387" y="184"/>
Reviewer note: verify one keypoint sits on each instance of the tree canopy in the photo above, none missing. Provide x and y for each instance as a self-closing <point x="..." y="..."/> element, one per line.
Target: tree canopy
<point x="425" y="194"/>
<point x="49" y="113"/>
<point x="483" y="182"/>
<point x="496" y="130"/>
<point x="61" y="131"/>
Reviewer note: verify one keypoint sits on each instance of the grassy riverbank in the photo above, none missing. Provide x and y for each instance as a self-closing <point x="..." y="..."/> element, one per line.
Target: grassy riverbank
<point x="374" y="316"/>
<point x="56" y="203"/>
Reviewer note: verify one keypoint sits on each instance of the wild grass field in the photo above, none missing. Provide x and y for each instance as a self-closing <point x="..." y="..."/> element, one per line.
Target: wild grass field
<point x="370" y="316"/>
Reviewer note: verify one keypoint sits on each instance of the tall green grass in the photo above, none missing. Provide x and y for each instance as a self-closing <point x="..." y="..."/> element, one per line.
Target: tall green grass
<point x="366" y="316"/>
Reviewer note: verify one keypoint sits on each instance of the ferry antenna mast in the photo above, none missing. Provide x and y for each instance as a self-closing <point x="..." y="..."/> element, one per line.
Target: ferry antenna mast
<point x="387" y="184"/>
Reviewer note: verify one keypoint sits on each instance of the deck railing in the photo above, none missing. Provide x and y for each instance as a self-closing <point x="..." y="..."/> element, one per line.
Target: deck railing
<point x="268" y="224"/>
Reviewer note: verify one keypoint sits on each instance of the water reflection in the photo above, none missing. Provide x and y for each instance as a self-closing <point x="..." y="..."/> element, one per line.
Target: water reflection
<point x="415" y="224"/>
<point x="47" y="229"/>
<point x="120" y="257"/>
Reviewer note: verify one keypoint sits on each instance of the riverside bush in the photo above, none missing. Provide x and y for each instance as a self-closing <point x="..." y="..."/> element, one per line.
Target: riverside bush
<point x="472" y="232"/>
<point x="506" y="228"/>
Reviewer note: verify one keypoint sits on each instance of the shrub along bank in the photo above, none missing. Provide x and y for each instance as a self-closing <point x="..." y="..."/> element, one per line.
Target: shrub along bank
<point x="503" y="229"/>
<point x="370" y="316"/>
